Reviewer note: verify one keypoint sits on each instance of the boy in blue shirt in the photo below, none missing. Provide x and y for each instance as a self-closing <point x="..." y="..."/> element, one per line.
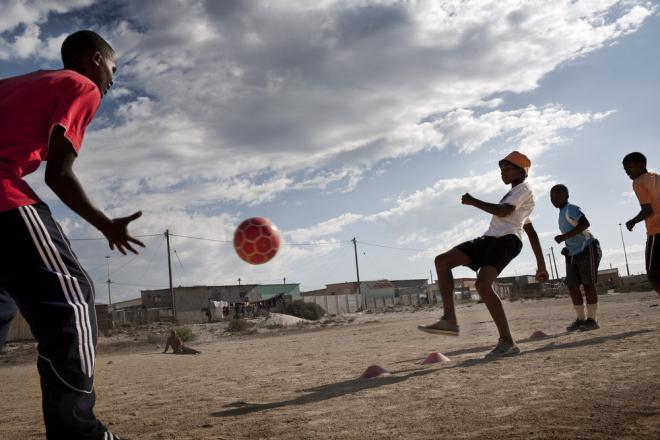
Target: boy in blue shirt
<point x="582" y="254"/>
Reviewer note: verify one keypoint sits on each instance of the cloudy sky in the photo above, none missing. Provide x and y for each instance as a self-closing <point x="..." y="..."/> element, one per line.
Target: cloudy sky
<point x="342" y="119"/>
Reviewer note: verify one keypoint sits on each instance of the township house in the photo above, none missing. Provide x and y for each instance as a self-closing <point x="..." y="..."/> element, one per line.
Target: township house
<point x="340" y="298"/>
<point x="192" y="302"/>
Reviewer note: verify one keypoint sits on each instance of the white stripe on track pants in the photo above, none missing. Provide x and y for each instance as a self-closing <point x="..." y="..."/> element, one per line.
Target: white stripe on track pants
<point x="40" y="274"/>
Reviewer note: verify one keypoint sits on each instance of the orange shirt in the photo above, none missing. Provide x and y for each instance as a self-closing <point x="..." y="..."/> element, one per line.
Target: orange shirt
<point x="647" y="190"/>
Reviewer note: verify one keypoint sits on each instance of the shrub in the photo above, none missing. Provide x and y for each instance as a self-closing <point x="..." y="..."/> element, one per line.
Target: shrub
<point x="238" y="325"/>
<point x="302" y="309"/>
<point x="186" y="334"/>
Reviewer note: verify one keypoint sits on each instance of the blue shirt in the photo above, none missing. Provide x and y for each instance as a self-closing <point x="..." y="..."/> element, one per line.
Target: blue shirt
<point x="569" y="216"/>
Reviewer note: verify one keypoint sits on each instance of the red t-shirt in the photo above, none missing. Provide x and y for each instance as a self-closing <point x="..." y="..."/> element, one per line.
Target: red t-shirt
<point x="31" y="106"/>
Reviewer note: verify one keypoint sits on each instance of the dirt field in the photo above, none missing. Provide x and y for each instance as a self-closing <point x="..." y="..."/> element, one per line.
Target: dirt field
<point x="603" y="384"/>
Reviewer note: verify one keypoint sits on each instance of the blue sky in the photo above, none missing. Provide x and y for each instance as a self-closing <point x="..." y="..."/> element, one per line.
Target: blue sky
<point x="348" y="119"/>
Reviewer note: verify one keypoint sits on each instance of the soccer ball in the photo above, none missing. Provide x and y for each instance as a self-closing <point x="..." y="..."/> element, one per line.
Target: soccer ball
<point x="256" y="240"/>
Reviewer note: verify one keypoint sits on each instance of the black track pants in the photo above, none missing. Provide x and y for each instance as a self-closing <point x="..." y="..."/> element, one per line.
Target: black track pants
<point x="40" y="272"/>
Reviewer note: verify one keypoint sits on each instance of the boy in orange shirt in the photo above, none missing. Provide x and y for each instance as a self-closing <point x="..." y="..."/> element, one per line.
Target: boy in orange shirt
<point x="647" y="189"/>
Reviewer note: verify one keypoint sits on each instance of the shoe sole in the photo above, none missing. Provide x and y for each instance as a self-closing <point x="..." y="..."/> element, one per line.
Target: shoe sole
<point x="507" y="354"/>
<point x="436" y="331"/>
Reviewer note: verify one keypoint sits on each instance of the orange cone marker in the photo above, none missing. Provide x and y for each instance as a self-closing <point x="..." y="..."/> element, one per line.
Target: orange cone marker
<point x="538" y="334"/>
<point x="374" y="371"/>
<point x="435" y="357"/>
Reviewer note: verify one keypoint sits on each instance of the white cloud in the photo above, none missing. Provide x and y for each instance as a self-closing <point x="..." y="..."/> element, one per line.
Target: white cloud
<point x="243" y="102"/>
<point x="30" y="14"/>
<point x="325" y="228"/>
<point x="311" y="93"/>
<point x="533" y="130"/>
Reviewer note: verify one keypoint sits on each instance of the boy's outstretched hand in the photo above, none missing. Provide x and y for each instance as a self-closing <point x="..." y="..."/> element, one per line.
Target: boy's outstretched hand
<point x="467" y="199"/>
<point x="542" y="275"/>
<point x="117" y="233"/>
<point x="630" y="224"/>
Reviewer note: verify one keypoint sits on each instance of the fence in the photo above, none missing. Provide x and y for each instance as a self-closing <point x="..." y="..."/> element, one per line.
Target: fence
<point x="140" y="316"/>
<point x="341" y="304"/>
<point x="19" y="330"/>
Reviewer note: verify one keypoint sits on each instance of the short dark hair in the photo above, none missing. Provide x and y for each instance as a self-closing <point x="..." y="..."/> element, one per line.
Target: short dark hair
<point x="635" y="157"/>
<point x="560" y="187"/>
<point x="81" y="43"/>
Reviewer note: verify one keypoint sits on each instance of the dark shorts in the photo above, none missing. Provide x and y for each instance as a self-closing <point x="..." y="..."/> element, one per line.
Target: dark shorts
<point x="491" y="251"/>
<point x="582" y="268"/>
<point x="653" y="253"/>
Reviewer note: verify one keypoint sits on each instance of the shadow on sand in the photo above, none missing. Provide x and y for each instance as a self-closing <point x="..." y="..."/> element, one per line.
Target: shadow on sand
<point x="324" y="392"/>
<point x="553" y="346"/>
<point x="487" y="348"/>
<point x="331" y="391"/>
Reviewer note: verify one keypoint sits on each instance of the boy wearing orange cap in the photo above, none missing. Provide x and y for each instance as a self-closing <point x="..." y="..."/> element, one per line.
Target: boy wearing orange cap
<point x="647" y="189"/>
<point x="492" y="252"/>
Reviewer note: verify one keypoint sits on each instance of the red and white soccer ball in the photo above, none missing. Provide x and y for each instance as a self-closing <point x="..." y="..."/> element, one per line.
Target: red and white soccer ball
<point x="256" y="240"/>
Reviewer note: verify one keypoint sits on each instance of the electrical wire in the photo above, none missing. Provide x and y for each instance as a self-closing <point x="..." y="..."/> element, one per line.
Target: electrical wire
<point x="103" y="238"/>
<point x="399" y="248"/>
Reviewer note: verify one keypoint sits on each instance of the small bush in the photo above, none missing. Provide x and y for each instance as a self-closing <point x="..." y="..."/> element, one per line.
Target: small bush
<point x="186" y="334"/>
<point x="302" y="309"/>
<point x="238" y="325"/>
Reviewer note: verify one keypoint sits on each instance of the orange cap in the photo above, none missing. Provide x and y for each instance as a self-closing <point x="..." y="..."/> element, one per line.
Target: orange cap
<point x="519" y="160"/>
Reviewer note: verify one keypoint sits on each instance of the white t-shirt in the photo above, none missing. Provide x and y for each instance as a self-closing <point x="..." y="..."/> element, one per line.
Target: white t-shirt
<point x="522" y="198"/>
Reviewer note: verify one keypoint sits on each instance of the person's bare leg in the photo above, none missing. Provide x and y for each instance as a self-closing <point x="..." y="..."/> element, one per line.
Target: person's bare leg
<point x="578" y="305"/>
<point x="654" y="279"/>
<point x="576" y="295"/>
<point x="590" y="293"/>
<point x="444" y="263"/>
<point x="484" y="285"/>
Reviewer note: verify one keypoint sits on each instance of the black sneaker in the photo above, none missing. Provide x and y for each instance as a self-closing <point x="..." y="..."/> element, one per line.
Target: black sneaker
<point x="442" y="327"/>
<point x="589" y="324"/>
<point x="576" y="325"/>
<point x="504" y="349"/>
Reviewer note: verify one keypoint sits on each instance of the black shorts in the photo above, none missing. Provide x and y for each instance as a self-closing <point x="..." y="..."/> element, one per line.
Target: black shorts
<point x="653" y="253"/>
<point x="582" y="268"/>
<point x="491" y="251"/>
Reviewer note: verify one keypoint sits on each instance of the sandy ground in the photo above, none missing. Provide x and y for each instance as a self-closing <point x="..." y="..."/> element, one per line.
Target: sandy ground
<point x="302" y="384"/>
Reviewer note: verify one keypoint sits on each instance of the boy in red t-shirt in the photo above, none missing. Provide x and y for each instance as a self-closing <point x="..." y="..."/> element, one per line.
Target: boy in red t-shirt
<point x="43" y="117"/>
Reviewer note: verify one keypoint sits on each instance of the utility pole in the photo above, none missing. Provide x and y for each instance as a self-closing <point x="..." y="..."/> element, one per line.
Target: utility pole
<point x="624" y="250"/>
<point x="239" y="282"/>
<point x="107" y="258"/>
<point x="552" y="249"/>
<point x="550" y="261"/>
<point x="431" y="273"/>
<point x="284" y="280"/>
<point x="169" y="269"/>
<point x="357" y="271"/>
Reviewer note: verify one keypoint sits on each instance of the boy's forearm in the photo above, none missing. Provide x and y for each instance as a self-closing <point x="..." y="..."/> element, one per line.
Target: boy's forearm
<point x="577" y="230"/>
<point x="492" y="208"/>
<point x="67" y="187"/>
<point x="643" y="214"/>
<point x="536" y="247"/>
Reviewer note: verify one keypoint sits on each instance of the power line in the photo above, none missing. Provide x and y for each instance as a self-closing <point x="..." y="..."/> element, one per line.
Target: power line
<point x="104" y="238"/>
<point x="399" y="248"/>
<point x="152" y="258"/>
<point x="201" y="238"/>
<point x="217" y="240"/>
<point x="136" y="285"/>
<point x="137" y="255"/>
